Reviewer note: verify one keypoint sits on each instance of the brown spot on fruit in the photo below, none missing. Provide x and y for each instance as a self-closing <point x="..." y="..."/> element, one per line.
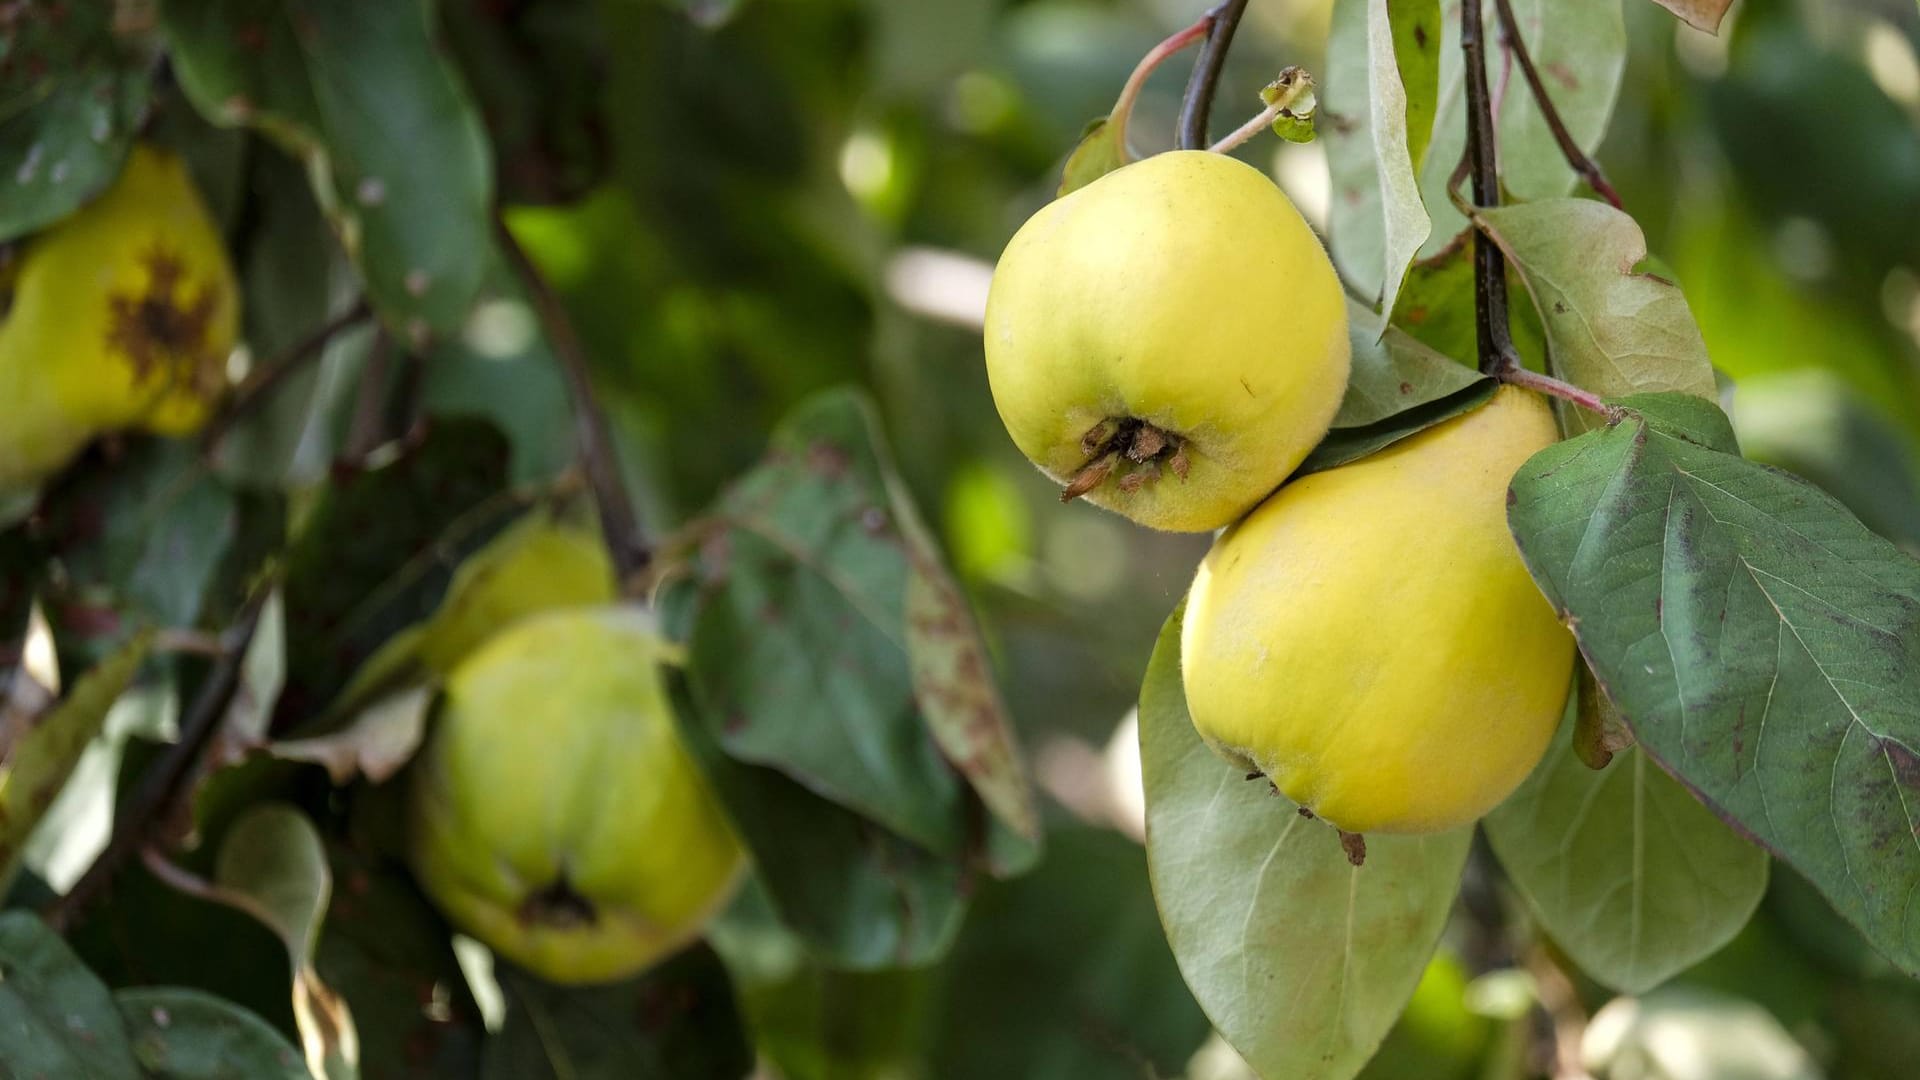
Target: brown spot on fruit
<point x="163" y="332"/>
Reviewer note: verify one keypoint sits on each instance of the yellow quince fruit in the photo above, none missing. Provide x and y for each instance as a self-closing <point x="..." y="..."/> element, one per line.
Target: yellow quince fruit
<point x="1370" y="640"/>
<point x="1169" y="341"/>
<point x="121" y="316"/>
<point x="555" y="814"/>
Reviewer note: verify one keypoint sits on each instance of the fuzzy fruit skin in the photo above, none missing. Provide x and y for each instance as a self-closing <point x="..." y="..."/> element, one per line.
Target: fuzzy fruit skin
<point x="554" y="761"/>
<point x="123" y="315"/>
<point x="1184" y="290"/>
<point x="1370" y="639"/>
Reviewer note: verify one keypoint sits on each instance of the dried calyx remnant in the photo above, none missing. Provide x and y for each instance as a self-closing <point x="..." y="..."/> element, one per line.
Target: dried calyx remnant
<point x="558" y="905"/>
<point x="1135" y="448"/>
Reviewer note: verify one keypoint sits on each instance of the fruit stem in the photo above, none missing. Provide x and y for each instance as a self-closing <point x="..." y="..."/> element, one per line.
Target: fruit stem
<point x="1577" y="159"/>
<point x="152" y="804"/>
<point x="1265" y="117"/>
<point x="1513" y="374"/>
<point x="619" y="523"/>
<point x="1130" y="93"/>
<point x="1197" y="103"/>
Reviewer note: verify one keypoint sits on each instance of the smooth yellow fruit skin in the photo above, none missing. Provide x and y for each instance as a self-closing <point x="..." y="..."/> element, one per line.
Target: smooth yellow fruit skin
<point x="1370" y="639"/>
<point x="554" y="761"/>
<point x="1184" y="290"/>
<point x="122" y="317"/>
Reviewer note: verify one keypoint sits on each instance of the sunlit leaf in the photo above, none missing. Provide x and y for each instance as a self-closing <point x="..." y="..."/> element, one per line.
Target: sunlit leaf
<point x="1379" y="220"/>
<point x="1610" y="328"/>
<point x="1301" y="959"/>
<point x="1700" y="14"/>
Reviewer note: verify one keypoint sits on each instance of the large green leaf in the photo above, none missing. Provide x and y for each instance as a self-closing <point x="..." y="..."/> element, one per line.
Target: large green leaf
<point x="676" y="1022"/>
<point x="361" y="92"/>
<point x="1379" y="220"/>
<point x="1392" y="371"/>
<point x="71" y="99"/>
<point x="191" y="1035"/>
<point x="1580" y="50"/>
<point x="1762" y="643"/>
<point x="1630" y="874"/>
<point x="1611" y="328"/>
<point x="1301" y="959"/>
<point x="56" y="1016"/>
<point x="828" y="642"/>
<point x="860" y="896"/>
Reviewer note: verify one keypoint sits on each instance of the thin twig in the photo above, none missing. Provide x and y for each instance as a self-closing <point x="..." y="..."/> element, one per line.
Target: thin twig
<point x="266" y="377"/>
<point x="1197" y="104"/>
<point x="1577" y="158"/>
<point x="1265" y="118"/>
<point x="619" y="523"/>
<point x="1122" y="112"/>
<point x="152" y="803"/>
<point x="1515" y="375"/>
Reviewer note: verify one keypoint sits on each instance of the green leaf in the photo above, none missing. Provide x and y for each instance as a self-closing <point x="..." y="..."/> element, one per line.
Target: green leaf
<point x="181" y="1034"/>
<point x="1580" y="50"/>
<point x="1392" y="371"/>
<point x="359" y="90"/>
<point x="387" y="952"/>
<point x="678" y="1020"/>
<point x="141" y="539"/>
<point x="1343" y="445"/>
<point x="58" y="1017"/>
<point x="273" y="866"/>
<point x="1623" y="867"/>
<point x="1379" y="220"/>
<point x="71" y="100"/>
<point x="861" y="897"/>
<point x="1302" y="960"/>
<point x="1098" y="153"/>
<point x="36" y="764"/>
<point x="1762" y="643"/>
<point x="1077" y="937"/>
<point x="1610" y="329"/>
<point x="1417" y="35"/>
<point x="829" y="642"/>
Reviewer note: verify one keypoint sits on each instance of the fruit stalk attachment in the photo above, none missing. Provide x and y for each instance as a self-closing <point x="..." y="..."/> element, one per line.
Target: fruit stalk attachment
<point x="1197" y="104"/>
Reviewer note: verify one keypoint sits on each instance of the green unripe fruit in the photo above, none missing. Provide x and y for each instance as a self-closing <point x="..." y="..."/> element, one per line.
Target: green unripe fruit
<point x="555" y="814"/>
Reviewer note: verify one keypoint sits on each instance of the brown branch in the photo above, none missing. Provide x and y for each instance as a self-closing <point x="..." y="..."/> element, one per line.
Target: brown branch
<point x="619" y="523"/>
<point x="266" y="377"/>
<point x="155" y="799"/>
<point x="1197" y="103"/>
<point x="1494" y="334"/>
<point x="1577" y="158"/>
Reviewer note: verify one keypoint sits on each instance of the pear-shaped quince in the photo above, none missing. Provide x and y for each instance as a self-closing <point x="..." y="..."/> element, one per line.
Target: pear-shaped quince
<point x="121" y="317"/>
<point x="1370" y="640"/>
<point x="1168" y="341"/>
<point x="555" y="814"/>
